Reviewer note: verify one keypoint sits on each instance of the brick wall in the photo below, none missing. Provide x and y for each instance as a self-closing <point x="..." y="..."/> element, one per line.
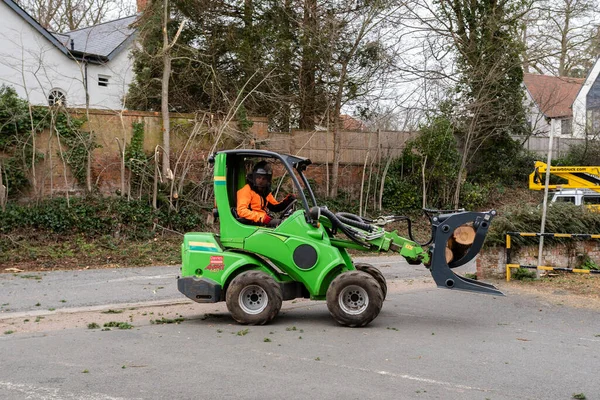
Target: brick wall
<point x="491" y="262"/>
<point x="112" y="129"/>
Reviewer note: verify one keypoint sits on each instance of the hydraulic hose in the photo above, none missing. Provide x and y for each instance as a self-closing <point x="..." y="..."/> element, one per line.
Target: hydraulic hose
<point x="354" y="217"/>
<point x="355" y="221"/>
<point x="397" y="218"/>
<point x="338" y="224"/>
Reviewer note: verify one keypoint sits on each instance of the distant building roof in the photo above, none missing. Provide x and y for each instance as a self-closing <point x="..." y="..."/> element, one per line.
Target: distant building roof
<point x="102" y="39"/>
<point x="350" y="123"/>
<point x="553" y="95"/>
<point x="347" y="123"/>
<point x="98" y="43"/>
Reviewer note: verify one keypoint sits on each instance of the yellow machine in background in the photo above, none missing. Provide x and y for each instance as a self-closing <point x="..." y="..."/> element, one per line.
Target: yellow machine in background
<point x="582" y="187"/>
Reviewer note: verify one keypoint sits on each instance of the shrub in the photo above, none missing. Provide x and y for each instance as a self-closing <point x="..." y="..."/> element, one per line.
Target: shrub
<point x="432" y="153"/>
<point x="587" y="153"/>
<point x="523" y="274"/>
<point x="99" y="217"/>
<point x="489" y="163"/>
<point x="560" y="218"/>
<point x="588" y="263"/>
<point x="473" y="196"/>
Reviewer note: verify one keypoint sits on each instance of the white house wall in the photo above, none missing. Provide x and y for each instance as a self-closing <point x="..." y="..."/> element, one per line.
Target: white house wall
<point x="538" y="123"/>
<point x="34" y="66"/>
<point x="120" y="73"/>
<point x="579" y="105"/>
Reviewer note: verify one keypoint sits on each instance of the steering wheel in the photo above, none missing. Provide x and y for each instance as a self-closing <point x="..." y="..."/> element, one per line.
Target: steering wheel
<point x="287" y="211"/>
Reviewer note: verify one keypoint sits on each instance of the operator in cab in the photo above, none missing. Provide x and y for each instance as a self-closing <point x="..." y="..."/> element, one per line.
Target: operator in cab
<point x="255" y="200"/>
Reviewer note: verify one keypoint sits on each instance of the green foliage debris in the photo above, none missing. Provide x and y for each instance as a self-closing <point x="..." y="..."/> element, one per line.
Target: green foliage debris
<point x="164" y="320"/>
<point x="120" y="325"/>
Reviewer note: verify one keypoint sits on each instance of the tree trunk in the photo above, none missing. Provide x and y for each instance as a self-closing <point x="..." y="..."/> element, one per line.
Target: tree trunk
<point x="335" y="167"/>
<point x="90" y="142"/>
<point x="166" y="54"/>
<point x="308" y="68"/>
<point x="362" y="185"/>
<point x="337" y="138"/>
<point x="564" y="48"/>
<point x="34" y="184"/>
<point x="424" y="204"/>
<point x="3" y="193"/>
<point x="382" y="182"/>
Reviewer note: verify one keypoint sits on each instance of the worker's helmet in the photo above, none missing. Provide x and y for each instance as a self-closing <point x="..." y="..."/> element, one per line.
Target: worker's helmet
<point x="263" y="169"/>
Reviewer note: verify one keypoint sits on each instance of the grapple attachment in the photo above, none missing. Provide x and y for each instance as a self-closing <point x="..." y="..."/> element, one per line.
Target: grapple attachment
<point x="446" y="253"/>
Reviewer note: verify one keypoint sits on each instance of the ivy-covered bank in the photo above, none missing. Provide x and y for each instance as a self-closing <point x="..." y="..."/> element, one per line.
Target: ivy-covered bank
<point x="562" y="252"/>
<point x="93" y="232"/>
<point x="560" y="218"/>
<point x="20" y="126"/>
<point x="97" y="216"/>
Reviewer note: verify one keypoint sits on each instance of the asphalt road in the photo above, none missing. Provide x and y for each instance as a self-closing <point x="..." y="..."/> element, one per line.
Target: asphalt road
<point x="427" y="343"/>
<point x="61" y="290"/>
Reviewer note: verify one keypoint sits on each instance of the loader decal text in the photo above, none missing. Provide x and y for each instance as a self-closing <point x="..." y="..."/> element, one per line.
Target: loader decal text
<point x="203" y="246"/>
<point x="216" y="264"/>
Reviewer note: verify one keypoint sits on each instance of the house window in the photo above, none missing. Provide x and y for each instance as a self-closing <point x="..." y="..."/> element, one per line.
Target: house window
<point x="103" y="80"/>
<point x="566" y="126"/>
<point x="57" y="98"/>
<point x="593" y="121"/>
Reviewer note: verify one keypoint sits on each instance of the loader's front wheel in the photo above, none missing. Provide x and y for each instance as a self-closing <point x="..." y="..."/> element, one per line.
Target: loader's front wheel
<point x="375" y="273"/>
<point x="354" y="298"/>
<point x="253" y="298"/>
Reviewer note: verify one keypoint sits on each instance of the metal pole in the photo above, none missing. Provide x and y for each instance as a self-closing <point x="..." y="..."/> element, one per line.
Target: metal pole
<point x="545" y="204"/>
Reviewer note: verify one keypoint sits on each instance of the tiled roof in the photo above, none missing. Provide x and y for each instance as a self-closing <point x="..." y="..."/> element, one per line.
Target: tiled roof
<point x="553" y="95"/>
<point x="96" y="44"/>
<point x="351" y="124"/>
<point x="101" y="40"/>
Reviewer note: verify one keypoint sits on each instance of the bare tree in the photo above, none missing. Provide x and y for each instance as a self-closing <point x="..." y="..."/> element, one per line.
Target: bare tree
<point x="69" y="15"/>
<point x="166" y="57"/>
<point x="358" y="36"/>
<point x="3" y="192"/>
<point x="558" y="34"/>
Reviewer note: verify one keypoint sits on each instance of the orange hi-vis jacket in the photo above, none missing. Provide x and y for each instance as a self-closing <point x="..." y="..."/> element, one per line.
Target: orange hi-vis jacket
<point x="251" y="205"/>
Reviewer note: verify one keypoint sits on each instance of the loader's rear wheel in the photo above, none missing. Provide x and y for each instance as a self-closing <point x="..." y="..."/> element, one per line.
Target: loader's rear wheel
<point x="253" y="298"/>
<point x="375" y="273"/>
<point x="354" y="298"/>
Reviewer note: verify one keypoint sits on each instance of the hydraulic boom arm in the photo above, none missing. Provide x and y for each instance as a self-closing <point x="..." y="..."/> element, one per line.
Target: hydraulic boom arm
<point x="577" y="177"/>
<point x="456" y="239"/>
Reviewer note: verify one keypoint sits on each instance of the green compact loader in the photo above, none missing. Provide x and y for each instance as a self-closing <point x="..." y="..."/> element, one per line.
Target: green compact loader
<point x="254" y="268"/>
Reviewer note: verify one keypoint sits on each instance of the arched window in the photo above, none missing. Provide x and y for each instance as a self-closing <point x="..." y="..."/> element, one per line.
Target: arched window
<point x="57" y="98"/>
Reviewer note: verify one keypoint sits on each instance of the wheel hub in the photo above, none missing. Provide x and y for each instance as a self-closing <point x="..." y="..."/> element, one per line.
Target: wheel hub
<point x="253" y="299"/>
<point x="354" y="300"/>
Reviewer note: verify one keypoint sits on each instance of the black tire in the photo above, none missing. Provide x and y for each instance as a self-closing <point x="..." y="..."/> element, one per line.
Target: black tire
<point x="253" y="298"/>
<point x="354" y="298"/>
<point x="375" y="273"/>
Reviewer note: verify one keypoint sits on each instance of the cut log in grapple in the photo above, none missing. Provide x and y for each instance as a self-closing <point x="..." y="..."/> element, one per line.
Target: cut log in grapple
<point x="443" y="231"/>
<point x="254" y="268"/>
